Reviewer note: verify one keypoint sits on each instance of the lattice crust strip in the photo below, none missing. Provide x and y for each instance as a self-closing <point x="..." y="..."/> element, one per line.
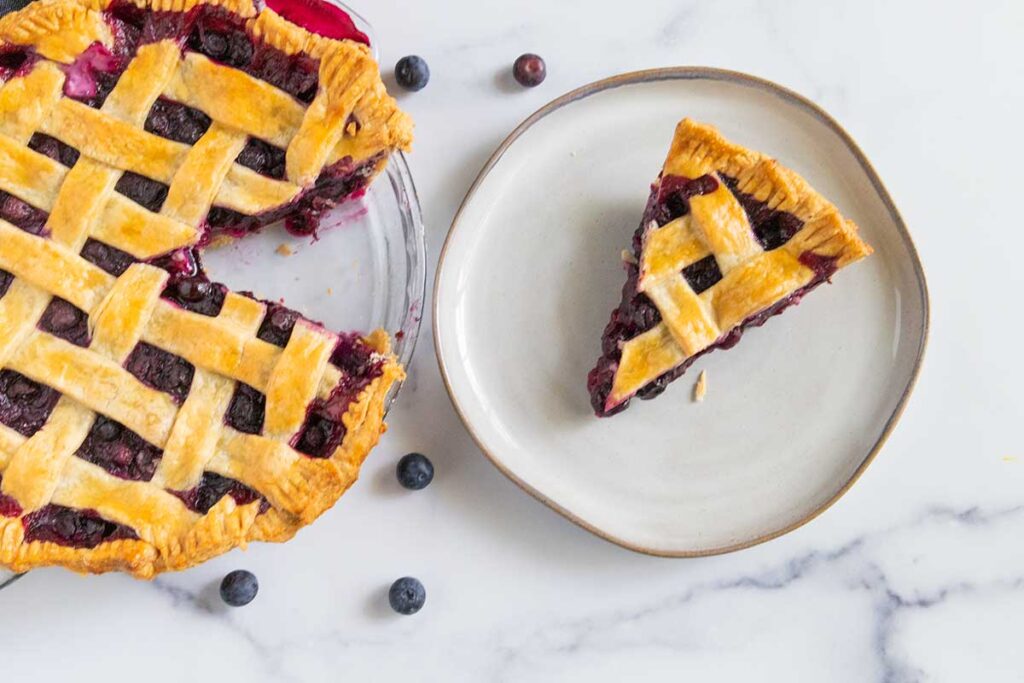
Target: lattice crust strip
<point x="752" y="280"/>
<point x="81" y="204"/>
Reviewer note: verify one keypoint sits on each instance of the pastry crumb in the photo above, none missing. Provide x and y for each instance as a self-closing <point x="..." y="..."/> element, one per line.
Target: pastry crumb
<point x="701" y="387"/>
<point x="627" y="257"/>
<point x="1009" y="458"/>
<point x="330" y="291"/>
<point x="284" y="250"/>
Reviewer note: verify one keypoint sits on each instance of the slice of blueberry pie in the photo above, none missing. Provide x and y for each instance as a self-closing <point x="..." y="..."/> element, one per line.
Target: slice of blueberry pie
<point x="729" y="239"/>
<point x="151" y="419"/>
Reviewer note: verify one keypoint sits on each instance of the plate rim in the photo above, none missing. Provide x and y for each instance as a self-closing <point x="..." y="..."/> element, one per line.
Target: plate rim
<point x="713" y="74"/>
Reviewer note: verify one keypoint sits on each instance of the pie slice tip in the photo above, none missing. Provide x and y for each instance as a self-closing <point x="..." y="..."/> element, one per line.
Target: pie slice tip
<point x="729" y="238"/>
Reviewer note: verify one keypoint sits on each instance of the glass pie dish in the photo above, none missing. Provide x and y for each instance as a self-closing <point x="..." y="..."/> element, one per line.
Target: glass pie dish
<point x="366" y="270"/>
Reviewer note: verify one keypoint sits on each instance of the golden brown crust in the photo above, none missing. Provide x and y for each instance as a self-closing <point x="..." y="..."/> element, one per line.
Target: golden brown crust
<point x="351" y="117"/>
<point x="227" y="525"/>
<point x="752" y="279"/>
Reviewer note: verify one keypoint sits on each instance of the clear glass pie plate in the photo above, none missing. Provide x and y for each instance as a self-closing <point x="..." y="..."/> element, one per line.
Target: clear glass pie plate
<point x="365" y="270"/>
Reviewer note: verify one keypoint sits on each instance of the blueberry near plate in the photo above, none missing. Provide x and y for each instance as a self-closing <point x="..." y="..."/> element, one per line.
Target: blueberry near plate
<point x="239" y="588"/>
<point x="415" y="471"/>
<point x="407" y="595"/>
<point x="668" y="477"/>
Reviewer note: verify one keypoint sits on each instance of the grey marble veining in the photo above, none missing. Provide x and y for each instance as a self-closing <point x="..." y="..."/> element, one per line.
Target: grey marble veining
<point x="916" y="575"/>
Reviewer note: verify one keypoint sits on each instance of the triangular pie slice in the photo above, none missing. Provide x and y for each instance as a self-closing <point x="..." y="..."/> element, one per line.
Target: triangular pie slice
<point x="729" y="238"/>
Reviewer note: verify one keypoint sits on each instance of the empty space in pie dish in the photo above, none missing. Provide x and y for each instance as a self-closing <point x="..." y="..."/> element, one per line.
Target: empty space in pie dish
<point x="792" y="414"/>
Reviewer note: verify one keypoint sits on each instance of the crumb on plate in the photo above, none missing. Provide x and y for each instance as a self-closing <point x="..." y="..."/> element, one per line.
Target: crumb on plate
<point x="701" y="387"/>
<point x="284" y="250"/>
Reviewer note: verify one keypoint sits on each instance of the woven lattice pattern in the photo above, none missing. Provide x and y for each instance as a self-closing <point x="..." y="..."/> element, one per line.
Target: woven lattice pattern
<point x="729" y="238"/>
<point x="50" y="281"/>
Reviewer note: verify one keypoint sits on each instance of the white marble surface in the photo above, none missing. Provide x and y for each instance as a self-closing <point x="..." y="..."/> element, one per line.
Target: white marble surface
<point x="917" y="574"/>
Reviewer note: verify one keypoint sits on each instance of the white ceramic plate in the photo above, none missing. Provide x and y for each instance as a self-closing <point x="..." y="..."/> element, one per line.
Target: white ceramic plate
<point x="531" y="271"/>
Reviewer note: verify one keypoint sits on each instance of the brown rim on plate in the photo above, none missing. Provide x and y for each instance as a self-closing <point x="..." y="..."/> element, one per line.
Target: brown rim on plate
<point x="714" y="74"/>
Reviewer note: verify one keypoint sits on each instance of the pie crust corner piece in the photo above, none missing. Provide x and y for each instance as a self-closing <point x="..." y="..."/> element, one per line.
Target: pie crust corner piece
<point x="729" y="238"/>
<point x="151" y="419"/>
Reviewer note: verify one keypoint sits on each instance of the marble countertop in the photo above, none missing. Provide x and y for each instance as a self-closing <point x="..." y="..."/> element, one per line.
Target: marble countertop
<point x="917" y="574"/>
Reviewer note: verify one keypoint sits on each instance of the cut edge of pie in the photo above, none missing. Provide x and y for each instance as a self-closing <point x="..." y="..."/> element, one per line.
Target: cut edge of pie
<point x="121" y="364"/>
<point x="728" y="239"/>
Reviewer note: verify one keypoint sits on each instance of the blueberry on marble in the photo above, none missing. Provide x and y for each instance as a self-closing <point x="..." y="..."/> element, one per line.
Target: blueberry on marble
<point x="529" y="70"/>
<point x="412" y="73"/>
<point x="407" y="595"/>
<point x="415" y="471"/>
<point x="239" y="588"/>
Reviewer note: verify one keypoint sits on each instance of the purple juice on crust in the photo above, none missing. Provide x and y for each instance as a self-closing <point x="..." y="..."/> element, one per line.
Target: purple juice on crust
<point x="213" y="487"/>
<point x="72" y="528"/>
<point x="636" y="314"/>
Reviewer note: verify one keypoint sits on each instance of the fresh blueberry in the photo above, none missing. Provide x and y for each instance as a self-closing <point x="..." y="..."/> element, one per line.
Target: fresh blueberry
<point x="530" y="70"/>
<point x="407" y="595"/>
<point x="239" y="588"/>
<point x="412" y="73"/>
<point x="415" y="471"/>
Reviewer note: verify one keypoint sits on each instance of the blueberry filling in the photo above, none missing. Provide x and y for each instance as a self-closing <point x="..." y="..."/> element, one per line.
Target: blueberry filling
<point x="8" y="506"/>
<point x="636" y="313"/>
<point x="72" y="528"/>
<point x="703" y="274"/>
<point x="120" y="451"/>
<point x="142" y="190"/>
<point x="54" y="148"/>
<point x="25" y="405"/>
<point x="213" y="487"/>
<point x="176" y="121"/>
<point x="109" y="258"/>
<point x="161" y="370"/>
<point x="247" y="410"/>
<point x="277" y="325"/>
<point x="5" y="282"/>
<point x="263" y="158"/>
<point x="773" y="228"/>
<point x="197" y="294"/>
<point x="93" y="75"/>
<point x="22" y="215"/>
<point x="359" y="364"/>
<point x="63" y="319"/>
<point x="12" y="60"/>
<point x="320" y="436"/>
<point x="220" y="36"/>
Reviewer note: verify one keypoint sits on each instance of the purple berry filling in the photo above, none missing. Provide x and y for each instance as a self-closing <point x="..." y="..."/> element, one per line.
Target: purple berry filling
<point x="263" y="158"/>
<point x="320" y="436"/>
<point x="360" y="365"/>
<point x="176" y="121"/>
<point x="247" y="410"/>
<point x="773" y="228"/>
<point x="120" y="451"/>
<point x="636" y="313"/>
<point x="161" y="370"/>
<point x="213" y="487"/>
<point x="54" y="148"/>
<point x="8" y="506"/>
<point x="92" y="76"/>
<point x="63" y="319"/>
<point x="22" y="215"/>
<point x="25" y="405"/>
<point x="142" y="190"/>
<point x="5" y="282"/>
<point x="72" y="528"/>
<point x="277" y="324"/>
<point x="110" y="259"/>
<point x="13" y="61"/>
<point x="197" y="294"/>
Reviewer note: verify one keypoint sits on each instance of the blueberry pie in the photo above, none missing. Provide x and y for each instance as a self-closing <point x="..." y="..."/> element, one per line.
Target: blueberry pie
<point x="149" y="418"/>
<point x="729" y="239"/>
